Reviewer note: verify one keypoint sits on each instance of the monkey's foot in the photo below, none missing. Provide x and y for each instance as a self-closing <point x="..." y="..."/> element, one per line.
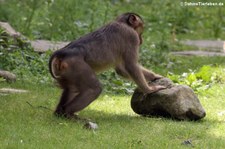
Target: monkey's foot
<point x="74" y="117"/>
<point x="62" y="114"/>
<point x="59" y="114"/>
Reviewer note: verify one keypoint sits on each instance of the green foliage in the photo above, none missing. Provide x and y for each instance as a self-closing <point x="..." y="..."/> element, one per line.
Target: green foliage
<point x="17" y="55"/>
<point x="67" y="20"/>
<point x="114" y="84"/>
<point x="202" y="79"/>
<point x="55" y="20"/>
<point x="26" y="64"/>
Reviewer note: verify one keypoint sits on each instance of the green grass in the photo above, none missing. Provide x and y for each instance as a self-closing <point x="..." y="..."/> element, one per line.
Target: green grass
<point x="23" y="126"/>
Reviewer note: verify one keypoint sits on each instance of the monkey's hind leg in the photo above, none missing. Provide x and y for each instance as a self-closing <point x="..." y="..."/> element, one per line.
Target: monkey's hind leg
<point x="84" y="79"/>
<point x="66" y="96"/>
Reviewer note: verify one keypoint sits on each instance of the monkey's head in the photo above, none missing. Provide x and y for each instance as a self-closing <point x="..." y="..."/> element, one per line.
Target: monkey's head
<point x="133" y="20"/>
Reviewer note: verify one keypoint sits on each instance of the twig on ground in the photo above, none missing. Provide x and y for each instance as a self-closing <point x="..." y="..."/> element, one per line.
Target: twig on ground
<point x="43" y="107"/>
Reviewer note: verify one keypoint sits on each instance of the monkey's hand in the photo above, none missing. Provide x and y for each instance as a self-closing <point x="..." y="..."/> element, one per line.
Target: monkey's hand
<point x="151" y="89"/>
<point x="157" y="76"/>
<point x="155" y="88"/>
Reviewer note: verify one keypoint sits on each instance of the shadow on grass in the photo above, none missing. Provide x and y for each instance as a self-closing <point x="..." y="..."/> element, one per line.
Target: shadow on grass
<point x="204" y="130"/>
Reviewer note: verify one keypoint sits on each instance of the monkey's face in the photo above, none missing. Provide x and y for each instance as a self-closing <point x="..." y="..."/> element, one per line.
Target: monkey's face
<point x="133" y="20"/>
<point x="138" y="25"/>
<point x="140" y="30"/>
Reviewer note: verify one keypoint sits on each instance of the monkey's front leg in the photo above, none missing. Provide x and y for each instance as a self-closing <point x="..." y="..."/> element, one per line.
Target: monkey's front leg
<point x="135" y="72"/>
<point x="120" y="70"/>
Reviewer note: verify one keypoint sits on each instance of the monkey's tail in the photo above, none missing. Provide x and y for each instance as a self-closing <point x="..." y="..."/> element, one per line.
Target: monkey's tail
<point x="52" y="67"/>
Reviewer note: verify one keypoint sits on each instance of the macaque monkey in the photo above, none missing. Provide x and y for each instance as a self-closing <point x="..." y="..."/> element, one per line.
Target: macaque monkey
<point x="115" y="45"/>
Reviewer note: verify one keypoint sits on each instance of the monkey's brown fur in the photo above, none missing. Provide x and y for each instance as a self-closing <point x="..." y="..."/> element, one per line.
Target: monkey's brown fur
<point x="114" y="45"/>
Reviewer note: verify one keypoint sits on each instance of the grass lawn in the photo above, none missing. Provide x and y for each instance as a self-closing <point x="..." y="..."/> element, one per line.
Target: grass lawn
<point x="26" y="127"/>
<point x="23" y="126"/>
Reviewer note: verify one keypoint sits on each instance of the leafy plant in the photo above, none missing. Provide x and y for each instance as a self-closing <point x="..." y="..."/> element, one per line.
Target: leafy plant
<point x="67" y="20"/>
<point x="114" y="84"/>
<point x="18" y="56"/>
<point x="200" y="80"/>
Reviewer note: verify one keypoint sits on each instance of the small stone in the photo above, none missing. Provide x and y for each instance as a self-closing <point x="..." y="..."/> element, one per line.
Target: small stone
<point x="91" y="126"/>
<point x="188" y="143"/>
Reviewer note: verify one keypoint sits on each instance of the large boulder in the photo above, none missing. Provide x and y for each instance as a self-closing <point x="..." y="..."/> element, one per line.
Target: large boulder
<point x="176" y="101"/>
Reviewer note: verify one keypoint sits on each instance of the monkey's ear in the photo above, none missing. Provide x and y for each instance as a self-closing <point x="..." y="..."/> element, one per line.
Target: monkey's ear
<point x="133" y="21"/>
